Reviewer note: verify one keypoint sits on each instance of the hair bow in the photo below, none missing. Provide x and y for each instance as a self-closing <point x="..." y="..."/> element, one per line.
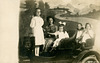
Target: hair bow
<point x="64" y="23"/>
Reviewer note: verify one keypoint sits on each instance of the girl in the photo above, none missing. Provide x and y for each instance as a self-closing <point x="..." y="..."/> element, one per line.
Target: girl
<point x="88" y="33"/>
<point x="79" y="33"/>
<point x="60" y="34"/>
<point x="36" y="25"/>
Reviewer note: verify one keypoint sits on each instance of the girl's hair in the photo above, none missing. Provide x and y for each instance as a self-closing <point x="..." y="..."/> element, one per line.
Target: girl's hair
<point x="52" y="18"/>
<point x="36" y="11"/>
<point x="87" y="24"/>
<point x="81" y="25"/>
<point x="61" y="25"/>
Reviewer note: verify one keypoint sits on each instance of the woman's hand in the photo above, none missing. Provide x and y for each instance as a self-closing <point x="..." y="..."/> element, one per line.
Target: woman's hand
<point x="51" y="33"/>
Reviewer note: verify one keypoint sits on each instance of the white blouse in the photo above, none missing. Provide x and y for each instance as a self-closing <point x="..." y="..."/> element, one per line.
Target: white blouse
<point x="79" y="33"/>
<point x="62" y="34"/>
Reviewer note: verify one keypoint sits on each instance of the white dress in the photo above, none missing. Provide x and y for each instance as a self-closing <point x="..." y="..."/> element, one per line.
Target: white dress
<point x="61" y="35"/>
<point x="36" y="24"/>
<point x="87" y="36"/>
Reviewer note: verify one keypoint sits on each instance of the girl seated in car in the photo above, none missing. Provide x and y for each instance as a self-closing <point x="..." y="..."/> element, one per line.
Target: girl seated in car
<point x="88" y="33"/>
<point x="79" y="33"/>
<point x="60" y="34"/>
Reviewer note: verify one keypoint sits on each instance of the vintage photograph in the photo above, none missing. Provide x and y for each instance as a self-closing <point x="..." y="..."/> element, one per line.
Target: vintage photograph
<point x="59" y="31"/>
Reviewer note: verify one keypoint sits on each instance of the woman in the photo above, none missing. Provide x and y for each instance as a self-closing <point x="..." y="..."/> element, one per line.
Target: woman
<point x="79" y="33"/>
<point x="88" y="37"/>
<point x="36" y="25"/>
<point x="51" y="28"/>
<point x="88" y="33"/>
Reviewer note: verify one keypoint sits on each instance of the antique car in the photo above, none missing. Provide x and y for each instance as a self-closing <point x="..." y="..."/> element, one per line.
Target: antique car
<point x="68" y="51"/>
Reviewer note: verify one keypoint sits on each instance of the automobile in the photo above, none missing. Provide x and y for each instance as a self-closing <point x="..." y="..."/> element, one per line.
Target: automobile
<point x="68" y="51"/>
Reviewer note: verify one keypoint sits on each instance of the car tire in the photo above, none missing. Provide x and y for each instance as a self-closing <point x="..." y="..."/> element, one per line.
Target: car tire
<point x="90" y="59"/>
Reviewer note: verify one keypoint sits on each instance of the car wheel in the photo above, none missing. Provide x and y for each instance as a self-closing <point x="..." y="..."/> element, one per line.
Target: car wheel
<point x="90" y="59"/>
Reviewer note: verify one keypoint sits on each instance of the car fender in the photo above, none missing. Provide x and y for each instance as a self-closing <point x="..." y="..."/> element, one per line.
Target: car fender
<point x="85" y="53"/>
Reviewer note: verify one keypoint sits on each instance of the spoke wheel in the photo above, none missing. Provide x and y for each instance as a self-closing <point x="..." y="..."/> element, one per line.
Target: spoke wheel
<point x="90" y="59"/>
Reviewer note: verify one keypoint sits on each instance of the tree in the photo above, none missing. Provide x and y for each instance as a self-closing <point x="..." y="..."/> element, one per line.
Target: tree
<point x="30" y="6"/>
<point x="47" y="6"/>
<point x="26" y="16"/>
<point x="46" y="10"/>
<point x="41" y="6"/>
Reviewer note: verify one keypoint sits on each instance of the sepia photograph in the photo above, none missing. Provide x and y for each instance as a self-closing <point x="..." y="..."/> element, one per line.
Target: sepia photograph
<point x="58" y="31"/>
<point x="51" y="31"/>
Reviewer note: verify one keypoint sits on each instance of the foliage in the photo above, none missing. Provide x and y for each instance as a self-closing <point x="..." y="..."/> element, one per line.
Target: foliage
<point x="26" y="16"/>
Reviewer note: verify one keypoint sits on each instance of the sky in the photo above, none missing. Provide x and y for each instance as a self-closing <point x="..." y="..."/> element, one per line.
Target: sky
<point x="54" y="3"/>
<point x="76" y="3"/>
